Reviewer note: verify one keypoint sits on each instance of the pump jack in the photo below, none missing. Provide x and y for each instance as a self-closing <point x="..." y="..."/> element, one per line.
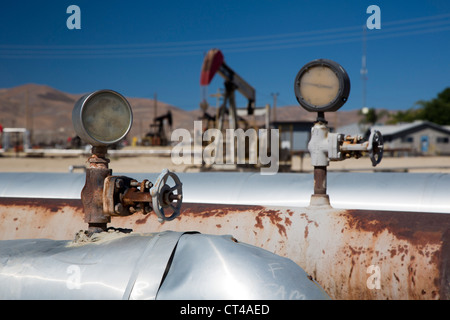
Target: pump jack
<point x="157" y="135"/>
<point x="213" y="63"/>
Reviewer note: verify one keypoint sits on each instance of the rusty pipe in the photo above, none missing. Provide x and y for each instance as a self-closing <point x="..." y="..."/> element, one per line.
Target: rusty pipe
<point x="133" y="195"/>
<point x="320" y="180"/>
<point x="92" y="193"/>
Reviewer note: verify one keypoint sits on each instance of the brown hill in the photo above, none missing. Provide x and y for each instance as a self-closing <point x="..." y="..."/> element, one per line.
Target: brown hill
<point x="48" y="113"/>
<point x="335" y="119"/>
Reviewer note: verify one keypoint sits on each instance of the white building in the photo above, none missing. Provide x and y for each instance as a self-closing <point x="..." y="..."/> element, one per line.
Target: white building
<point x="419" y="137"/>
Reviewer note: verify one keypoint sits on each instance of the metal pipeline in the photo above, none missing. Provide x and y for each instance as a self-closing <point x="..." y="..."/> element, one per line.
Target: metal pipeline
<point x="167" y="265"/>
<point x="410" y="247"/>
<point x="415" y="192"/>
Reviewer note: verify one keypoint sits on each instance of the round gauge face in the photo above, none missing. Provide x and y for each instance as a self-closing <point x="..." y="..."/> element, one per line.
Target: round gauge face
<point x="322" y="85"/>
<point x="102" y="118"/>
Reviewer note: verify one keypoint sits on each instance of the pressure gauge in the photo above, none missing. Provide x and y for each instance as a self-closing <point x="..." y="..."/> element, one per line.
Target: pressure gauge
<point x="322" y="85"/>
<point x="102" y="118"/>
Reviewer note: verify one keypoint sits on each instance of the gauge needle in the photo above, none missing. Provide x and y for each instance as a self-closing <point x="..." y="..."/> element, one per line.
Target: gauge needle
<point x="318" y="85"/>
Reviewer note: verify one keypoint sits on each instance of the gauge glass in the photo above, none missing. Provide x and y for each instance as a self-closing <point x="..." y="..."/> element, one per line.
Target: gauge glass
<point x="319" y="86"/>
<point x="106" y="117"/>
<point x="102" y="118"/>
<point x="322" y="85"/>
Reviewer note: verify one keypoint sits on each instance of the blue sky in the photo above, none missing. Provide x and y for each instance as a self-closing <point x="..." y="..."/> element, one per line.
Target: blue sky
<point x="142" y="47"/>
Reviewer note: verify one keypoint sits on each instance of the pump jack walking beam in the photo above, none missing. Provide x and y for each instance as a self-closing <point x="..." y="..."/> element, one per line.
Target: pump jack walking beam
<point x="213" y="63"/>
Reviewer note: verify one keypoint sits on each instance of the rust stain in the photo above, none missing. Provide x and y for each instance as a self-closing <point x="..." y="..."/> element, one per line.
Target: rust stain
<point x="287" y="221"/>
<point x="143" y="220"/>
<point x="281" y="229"/>
<point x="214" y="210"/>
<point x="445" y="268"/>
<point x="39" y="218"/>
<point x="261" y="214"/>
<point x="258" y="223"/>
<point x="274" y="218"/>
<point x="309" y="221"/>
<point x="217" y="210"/>
<point x="419" y="228"/>
<point x="305" y="216"/>
<point x="423" y="244"/>
<point x="51" y="206"/>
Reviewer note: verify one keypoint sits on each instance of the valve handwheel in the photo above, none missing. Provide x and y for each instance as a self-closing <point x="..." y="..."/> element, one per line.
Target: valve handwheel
<point x="164" y="196"/>
<point x="375" y="147"/>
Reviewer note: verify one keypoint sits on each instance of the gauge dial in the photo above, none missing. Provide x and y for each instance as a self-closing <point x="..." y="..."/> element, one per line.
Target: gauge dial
<point x="322" y="85"/>
<point x="102" y="118"/>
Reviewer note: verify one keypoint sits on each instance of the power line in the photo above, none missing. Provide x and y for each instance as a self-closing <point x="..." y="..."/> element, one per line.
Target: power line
<point x="400" y="28"/>
<point x="410" y="22"/>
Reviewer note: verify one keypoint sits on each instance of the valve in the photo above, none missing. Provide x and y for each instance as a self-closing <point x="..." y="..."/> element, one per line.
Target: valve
<point x="164" y="196"/>
<point x="376" y="147"/>
<point x="124" y="196"/>
<point x="354" y="146"/>
<point x="323" y="86"/>
<point x="103" y="118"/>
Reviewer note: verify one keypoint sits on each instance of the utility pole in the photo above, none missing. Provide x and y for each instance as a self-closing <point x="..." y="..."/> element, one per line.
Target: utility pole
<point x="155" y="101"/>
<point x="274" y="114"/>
<point x="364" y="68"/>
<point x="28" y="119"/>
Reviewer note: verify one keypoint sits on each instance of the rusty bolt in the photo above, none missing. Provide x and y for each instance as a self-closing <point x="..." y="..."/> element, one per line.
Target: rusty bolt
<point x="134" y="183"/>
<point x="148" y="184"/>
<point x="118" y="208"/>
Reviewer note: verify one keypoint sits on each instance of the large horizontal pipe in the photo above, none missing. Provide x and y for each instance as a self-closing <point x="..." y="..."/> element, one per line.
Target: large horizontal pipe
<point x="417" y="192"/>
<point x="167" y="265"/>
<point x="353" y="254"/>
<point x="342" y="249"/>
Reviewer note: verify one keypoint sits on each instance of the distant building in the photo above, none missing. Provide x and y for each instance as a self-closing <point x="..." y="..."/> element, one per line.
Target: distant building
<point x="416" y="138"/>
<point x="294" y="135"/>
<point x="18" y="138"/>
<point x="419" y="137"/>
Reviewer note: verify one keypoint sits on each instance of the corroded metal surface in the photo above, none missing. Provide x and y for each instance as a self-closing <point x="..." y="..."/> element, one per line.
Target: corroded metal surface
<point x="353" y="254"/>
<point x="22" y="218"/>
<point x="92" y="192"/>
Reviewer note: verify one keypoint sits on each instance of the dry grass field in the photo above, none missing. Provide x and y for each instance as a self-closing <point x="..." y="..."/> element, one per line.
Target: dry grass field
<point x="156" y="163"/>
